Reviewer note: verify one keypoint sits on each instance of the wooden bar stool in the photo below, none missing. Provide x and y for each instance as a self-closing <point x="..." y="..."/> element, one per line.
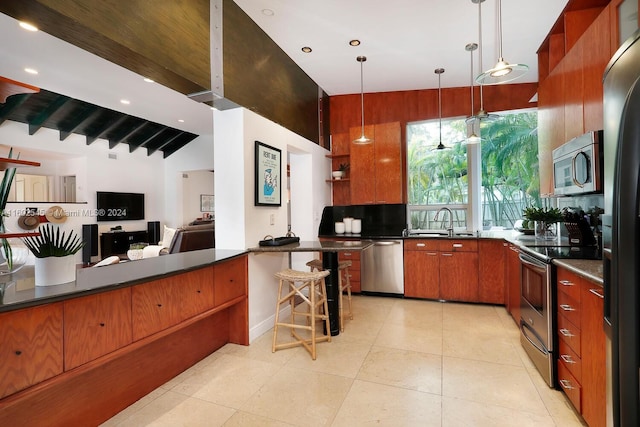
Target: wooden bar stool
<point x="343" y="282"/>
<point x="296" y="283"/>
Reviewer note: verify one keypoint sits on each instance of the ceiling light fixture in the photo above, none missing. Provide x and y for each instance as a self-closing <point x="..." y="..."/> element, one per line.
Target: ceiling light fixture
<point x="440" y="145"/>
<point x="31" y="71"/>
<point x="481" y="115"/>
<point x="503" y="71"/>
<point x="148" y="80"/>
<point x="363" y="139"/>
<point x="125" y="101"/>
<point x="268" y="12"/>
<point x="306" y="49"/>
<point x="354" y="42"/>
<point x="471" y="120"/>
<point x="27" y="26"/>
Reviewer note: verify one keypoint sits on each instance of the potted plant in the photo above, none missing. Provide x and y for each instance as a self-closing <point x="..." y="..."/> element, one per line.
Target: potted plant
<point x="54" y="252"/>
<point x="342" y="170"/>
<point x="544" y="220"/>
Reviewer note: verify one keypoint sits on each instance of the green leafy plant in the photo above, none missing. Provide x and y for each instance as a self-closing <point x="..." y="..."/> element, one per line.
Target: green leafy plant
<point x="53" y="243"/>
<point x="5" y="186"/>
<point x="343" y="167"/>
<point x="549" y="215"/>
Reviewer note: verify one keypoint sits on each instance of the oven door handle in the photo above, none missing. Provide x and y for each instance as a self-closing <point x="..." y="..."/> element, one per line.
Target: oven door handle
<point x="541" y="268"/>
<point x="524" y="328"/>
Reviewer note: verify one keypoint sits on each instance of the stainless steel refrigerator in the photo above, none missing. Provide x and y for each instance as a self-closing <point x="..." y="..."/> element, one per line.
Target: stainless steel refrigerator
<point x="621" y="233"/>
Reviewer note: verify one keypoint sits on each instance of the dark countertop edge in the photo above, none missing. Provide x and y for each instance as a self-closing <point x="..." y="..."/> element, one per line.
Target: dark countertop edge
<point x="313" y="246"/>
<point x="588" y="269"/>
<point x="226" y="255"/>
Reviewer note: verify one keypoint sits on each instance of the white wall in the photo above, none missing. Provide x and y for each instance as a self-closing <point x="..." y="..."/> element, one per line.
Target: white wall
<point x="195" y="184"/>
<point x="240" y="224"/>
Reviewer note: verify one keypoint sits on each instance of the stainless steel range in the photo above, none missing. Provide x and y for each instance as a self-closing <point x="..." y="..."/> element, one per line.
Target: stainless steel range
<point x="538" y="302"/>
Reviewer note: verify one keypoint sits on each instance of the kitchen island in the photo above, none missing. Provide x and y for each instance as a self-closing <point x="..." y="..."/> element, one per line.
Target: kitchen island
<point x="78" y="353"/>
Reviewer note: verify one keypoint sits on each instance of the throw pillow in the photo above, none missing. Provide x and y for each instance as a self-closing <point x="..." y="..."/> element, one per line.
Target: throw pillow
<point x="167" y="236"/>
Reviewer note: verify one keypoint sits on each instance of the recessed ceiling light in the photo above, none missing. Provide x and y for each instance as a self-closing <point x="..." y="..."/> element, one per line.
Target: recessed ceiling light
<point x="354" y="42"/>
<point x="148" y="80"/>
<point x="307" y="49"/>
<point x="125" y="101"/>
<point x="31" y="71"/>
<point x="28" y="26"/>
<point x="268" y="12"/>
<point x="180" y="120"/>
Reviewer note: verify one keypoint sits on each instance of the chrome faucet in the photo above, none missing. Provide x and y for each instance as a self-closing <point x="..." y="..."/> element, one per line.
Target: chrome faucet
<point x="450" y="227"/>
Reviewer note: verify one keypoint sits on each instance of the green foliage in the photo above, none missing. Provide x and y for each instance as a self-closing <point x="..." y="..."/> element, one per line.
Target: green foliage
<point x="533" y="213"/>
<point x="53" y="243"/>
<point x="5" y="186"/>
<point x="343" y="167"/>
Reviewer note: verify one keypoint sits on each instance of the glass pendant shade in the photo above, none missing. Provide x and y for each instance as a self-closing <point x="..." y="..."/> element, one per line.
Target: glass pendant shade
<point x="503" y="72"/>
<point x="363" y="139"/>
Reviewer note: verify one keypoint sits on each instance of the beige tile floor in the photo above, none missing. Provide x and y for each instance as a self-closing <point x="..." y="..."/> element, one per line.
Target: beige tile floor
<point x="398" y="363"/>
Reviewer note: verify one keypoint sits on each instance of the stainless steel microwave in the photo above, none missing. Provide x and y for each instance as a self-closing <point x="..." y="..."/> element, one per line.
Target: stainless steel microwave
<point x="577" y="165"/>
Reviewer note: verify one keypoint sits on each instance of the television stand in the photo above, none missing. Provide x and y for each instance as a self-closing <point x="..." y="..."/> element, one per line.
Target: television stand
<point x="117" y="242"/>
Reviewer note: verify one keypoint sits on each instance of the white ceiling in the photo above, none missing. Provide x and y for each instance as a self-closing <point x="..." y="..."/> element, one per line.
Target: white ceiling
<point x="404" y="40"/>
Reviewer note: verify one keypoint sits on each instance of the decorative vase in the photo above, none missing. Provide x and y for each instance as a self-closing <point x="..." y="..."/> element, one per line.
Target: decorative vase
<point x="13" y="252"/>
<point x="54" y="270"/>
<point x="337" y="174"/>
<point x="546" y="230"/>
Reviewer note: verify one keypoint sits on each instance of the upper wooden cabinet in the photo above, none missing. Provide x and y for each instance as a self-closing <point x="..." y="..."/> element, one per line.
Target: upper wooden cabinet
<point x="376" y="168"/>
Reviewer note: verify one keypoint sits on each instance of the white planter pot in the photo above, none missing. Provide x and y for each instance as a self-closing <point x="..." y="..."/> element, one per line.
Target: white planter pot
<point x="337" y="174"/>
<point x="55" y="270"/>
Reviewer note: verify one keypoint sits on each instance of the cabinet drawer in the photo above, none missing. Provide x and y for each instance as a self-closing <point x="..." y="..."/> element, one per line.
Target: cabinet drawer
<point x="569" y="307"/>
<point x="230" y="280"/>
<point x="570" y="334"/>
<point x="420" y="245"/>
<point x="569" y="385"/>
<point x="569" y="283"/>
<point x="571" y="360"/>
<point x="464" y="245"/>
<point x="349" y="256"/>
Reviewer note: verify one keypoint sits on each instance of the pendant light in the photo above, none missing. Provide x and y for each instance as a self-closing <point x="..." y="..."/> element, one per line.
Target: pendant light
<point x="503" y="71"/>
<point x="481" y="115"/>
<point x="471" y="120"/>
<point x="440" y="145"/>
<point x="363" y="139"/>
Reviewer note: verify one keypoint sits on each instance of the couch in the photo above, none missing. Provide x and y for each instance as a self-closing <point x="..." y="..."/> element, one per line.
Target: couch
<point x="185" y="239"/>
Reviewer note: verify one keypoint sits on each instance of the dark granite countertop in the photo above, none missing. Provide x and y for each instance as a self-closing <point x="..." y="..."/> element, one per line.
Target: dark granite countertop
<point x="589" y="269"/>
<point x="316" y="246"/>
<point x="18" y="290"/>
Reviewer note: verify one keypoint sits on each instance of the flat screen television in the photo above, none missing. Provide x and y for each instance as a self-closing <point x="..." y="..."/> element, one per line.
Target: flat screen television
<point x="112" y="206"/>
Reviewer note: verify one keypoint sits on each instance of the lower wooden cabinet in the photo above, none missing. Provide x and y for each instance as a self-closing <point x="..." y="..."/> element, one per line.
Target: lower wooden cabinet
<point x="581" y="337"/>
<point x="30" y="347"/>
<point x="421" y="269"/>
<point x="104" y="320"/>
<point x="491" y="275"/>
<point x="354" y="270"/>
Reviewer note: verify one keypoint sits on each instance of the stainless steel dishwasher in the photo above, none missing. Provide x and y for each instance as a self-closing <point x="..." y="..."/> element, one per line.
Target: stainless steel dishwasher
<point x="382" y="268"/>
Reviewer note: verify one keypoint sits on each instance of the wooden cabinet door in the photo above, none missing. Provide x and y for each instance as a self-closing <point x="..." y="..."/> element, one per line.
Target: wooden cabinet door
<point x="573" y="103"/>
<point x="513" y="282"/>
<point x="230" y="280"/>
<point x="30" y="347"/>
<point x="194" y="290"/>
<point x="421" y="274"/>
<point x="154" y="308"/>
<point x="363" y="169"/>
<point x="459" y="276"/>
<point x="593" y="355"/>
<point x="354" y="270"/>
<point x="388" y="156"/>
<point x="103" y="320"/>
<point x="596" y="55"/>
<point x="491" y="277"/>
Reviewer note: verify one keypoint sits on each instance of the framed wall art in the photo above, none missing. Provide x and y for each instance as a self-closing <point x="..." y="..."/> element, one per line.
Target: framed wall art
<point x="268" y="188"/>
<point x="206" y="203"/>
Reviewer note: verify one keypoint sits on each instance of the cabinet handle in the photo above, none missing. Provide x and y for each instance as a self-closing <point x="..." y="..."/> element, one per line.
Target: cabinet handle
<point x="199" y="291"/>
<point x="566" y="333"/>
<point x="596" y="293"/>
<point x="18" y="352"/>
<point x="567" y="358"/>
<point x="102" y="324"/>
<point x="159" y="305"/>
<point x="566" y="384"/>
<point x="566" y="283"/>
<point x="432" y="253"/>
<point x="567" y="307"/>
<point x="457" y="245"/>
<point x="421" y="245"/>
<point x="445" y="254"/>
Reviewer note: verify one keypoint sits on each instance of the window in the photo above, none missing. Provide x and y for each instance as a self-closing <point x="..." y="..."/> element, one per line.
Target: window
<point x="506" y="179"/>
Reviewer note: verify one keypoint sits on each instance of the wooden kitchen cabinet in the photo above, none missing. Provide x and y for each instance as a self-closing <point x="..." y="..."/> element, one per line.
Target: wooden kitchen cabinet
<point x="512" y="273"/>
<point x="102" y="319"/>
<point x="491" y="274"/>
<point x="154" y="308"/>
<point x="376" y="168"/>
<point x="459" y="269"/>
<point x="421" y="269"/>
<point x="31" y="347"/>
<point x="230" y="280"/>
<point x="581" y="338"/>
<point x="195" y="291"/>
<point x="354" y="270"/>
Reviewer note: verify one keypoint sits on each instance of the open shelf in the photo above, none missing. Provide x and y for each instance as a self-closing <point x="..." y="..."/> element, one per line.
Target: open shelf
<point x="18" y="235"/>
<point x="337" y="180"/>
<point x="15" y="163"/>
